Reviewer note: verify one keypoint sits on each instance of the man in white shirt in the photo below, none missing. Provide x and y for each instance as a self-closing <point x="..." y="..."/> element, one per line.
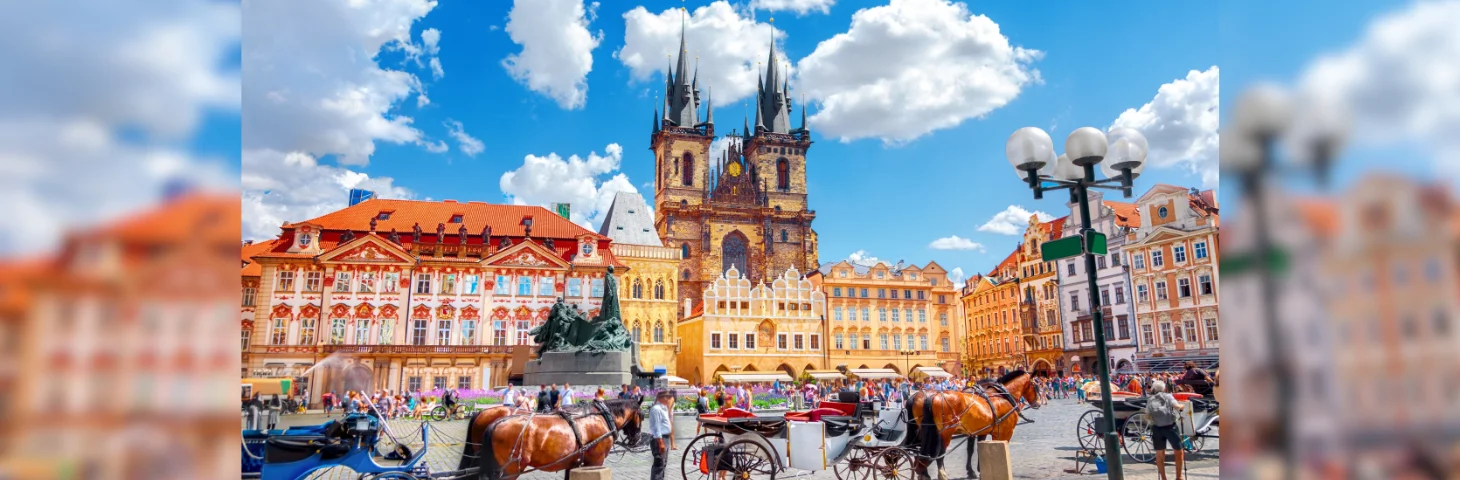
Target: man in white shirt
<point x="567" y="395"/>
<point x="659" y="431"/>
<point x="509" y="398"/>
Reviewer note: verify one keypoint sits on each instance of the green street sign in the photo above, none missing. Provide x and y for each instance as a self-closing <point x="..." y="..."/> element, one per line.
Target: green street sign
<point x="1096" y="243"/>
<point x="1059" y="249"/>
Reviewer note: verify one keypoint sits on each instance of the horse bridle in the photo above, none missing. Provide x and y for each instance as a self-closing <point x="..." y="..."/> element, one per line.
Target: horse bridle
<point x="980" y="390"/>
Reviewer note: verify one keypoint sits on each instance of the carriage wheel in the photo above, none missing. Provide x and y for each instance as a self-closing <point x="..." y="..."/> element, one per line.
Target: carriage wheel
<point x="1137" y="438"/>
<point x="750" y="461"/>
<point x="1196" y="442"/>
<point x="857" y="465"/>
<point x="1087" y="431"/>
<point x="892" y="464"/>
<point x="689" y="465"/>
<point x="438" y="413"/>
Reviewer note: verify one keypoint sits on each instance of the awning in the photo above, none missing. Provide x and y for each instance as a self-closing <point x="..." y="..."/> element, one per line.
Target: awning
<point x="673" y="380"/>
<point x="755" y="377"/>
<point x="875" y="373"/>
<point x="933" y="372"/>
<point x="826" y="374"/>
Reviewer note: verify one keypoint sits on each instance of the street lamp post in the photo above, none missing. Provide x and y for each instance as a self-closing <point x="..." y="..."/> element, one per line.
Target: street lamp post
<point x="907" y="360"/>
<point x="1123" y="154"/>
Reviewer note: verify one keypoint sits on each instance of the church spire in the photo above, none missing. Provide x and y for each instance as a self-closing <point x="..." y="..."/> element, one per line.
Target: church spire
<point x="710" y="107"/>
<point x="657" y="120"/>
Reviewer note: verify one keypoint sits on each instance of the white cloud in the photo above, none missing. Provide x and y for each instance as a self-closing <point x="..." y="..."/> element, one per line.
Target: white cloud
<point x="1181" y="124"/>
<point x="436" y="71"/>
<point x="860" y="257"/>
<point x="957" y="277"/>
<point x="801" y="7"/>
<point x="313" y="84"/>
<point x="432" y="39"/>
<point x="436" y="147"/>
<point x="283" y="187"/>
<point x="955" y="243"/>
<point x="557" y="48"/>
<point x="727" y="45"/>
<point x="470" y="145"/>
<point x="1012" y="221"/>
<point x="1398" y="82"/>
<point x="86" y="71"/>
<point x="588" y="184"/>
<point x="909" y="68"/>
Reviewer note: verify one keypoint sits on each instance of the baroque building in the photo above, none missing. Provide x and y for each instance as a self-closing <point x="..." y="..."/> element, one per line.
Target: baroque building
<point x="381" y="300"/>
<point x="878" y="313"/>
<point x="1173" y="259"/>
<point x="1039" y="302"/>
<point x="648" y="291"/>
<point x="758" y="333"/>
<point x="748" y="207"/>
<point x="1116" y="220"/>
<point x="991" y="306"/>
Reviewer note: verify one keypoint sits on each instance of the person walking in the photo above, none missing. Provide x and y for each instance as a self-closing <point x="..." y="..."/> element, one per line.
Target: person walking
<point x="328" y="399"/>
<point x="1164" y="412"/>
<point x="544" y="401"/>
<point x="509" y="398"/>
<point x="659" y="431"/>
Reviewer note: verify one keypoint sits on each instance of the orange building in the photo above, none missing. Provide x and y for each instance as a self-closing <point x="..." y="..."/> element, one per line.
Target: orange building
<point x="1039" y="302"/>
<point x="1173" y="259"/>
<point x="991" y="305"/>
<point x="875" y="312"/>
<point x="401" y="294"/>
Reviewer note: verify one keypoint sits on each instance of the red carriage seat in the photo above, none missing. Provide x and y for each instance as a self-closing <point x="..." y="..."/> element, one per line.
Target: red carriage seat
<point x="813" y="415"/>
<point x="1186" y="396"/>
<point x="848" y="409"/>
<point x="733" y="412"/>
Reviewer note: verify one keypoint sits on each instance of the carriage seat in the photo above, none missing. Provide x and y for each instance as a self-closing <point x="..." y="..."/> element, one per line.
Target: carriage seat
<point x="293" y="448"/>
<point x="813" y="415"/>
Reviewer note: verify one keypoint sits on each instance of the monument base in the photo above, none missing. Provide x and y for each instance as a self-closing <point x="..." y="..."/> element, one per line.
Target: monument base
<point x="608" y="369"/>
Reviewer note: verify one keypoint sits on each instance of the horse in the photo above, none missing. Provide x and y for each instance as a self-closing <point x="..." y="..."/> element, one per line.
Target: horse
<point x="990" y="410"/>
<point x="558" y="441"/>
<point x="477" y="427"/>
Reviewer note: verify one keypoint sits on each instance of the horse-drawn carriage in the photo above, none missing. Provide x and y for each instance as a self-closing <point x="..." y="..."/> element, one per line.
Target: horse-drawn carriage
<point x="1134" y="426"/>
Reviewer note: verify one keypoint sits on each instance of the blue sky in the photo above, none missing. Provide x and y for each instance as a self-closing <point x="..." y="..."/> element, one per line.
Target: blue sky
<point x="350" y="98"/>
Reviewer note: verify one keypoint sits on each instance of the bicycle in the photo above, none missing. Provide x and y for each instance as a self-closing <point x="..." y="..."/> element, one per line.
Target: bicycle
<point x="460" y="411"/>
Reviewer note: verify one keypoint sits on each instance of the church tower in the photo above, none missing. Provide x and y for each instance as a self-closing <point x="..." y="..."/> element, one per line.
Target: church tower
<point x="747" y="208"/>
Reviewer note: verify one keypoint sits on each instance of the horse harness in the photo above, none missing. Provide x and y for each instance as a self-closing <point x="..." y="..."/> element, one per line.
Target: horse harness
<point x="602" y="410"/>
<point x="983" y="392"/>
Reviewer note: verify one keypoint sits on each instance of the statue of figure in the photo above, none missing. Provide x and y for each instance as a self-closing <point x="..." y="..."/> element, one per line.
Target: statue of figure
<point x="372" y="224"/>
<point x="461" y="234"/>
<point x="609" y="334"/>
<point x="553" y="334"/>
<point x="416" y="233"/>
<point x="527" y="230"/>
<point x="349" y="235"/>
<point x="505" y="243"/>
<point x="486" y="235"/>
<point x="567" y="330"/>
<point x="549" y="244"/>
<point x="394" y="237"/>
<point x="440" y="232"/>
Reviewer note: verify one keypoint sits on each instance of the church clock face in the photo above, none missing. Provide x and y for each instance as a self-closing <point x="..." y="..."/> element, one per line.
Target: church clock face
<point x="734" y="169"/>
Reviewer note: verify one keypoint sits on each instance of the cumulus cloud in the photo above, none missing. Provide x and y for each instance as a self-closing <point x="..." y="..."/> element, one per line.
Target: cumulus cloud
<point x="557" y="48"/>
<point x="955" y="243"/>
<point x="469" y="145"/>
<point x="801" y="7"/>
<point x="283" y="187"/>
<point x="1012" y="221"/>
<point x="1398" y="81"/>
<point x="100" y="101"/>
<point x="312" y="83"/>
<point x="1181" y="124"/>
<point x="588" y="184"/>
<point x="432" y="39"/>
<point x="727" y="45"/>
<point x="861" y="257"/>
<point x="957" y="277"/>
<point x="909" y="68"/>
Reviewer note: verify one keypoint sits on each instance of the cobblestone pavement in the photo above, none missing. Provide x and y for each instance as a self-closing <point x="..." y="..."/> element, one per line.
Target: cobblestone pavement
<point x="1044" y="449"/>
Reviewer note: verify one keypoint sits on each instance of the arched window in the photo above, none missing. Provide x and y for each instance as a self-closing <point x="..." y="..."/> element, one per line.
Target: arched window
<point x="783" y="174"/>
<point x="638" y="289"/>
<point x="688" y="172"/>
<point x="684" y="250"/>
<point x="659" y="332"/>
<point x="658" y="290"/>
<point x="734" y="249"/>
<point x="685" y="275"/>
<point x="637" y="332"/>
<point x="783" y="236"/>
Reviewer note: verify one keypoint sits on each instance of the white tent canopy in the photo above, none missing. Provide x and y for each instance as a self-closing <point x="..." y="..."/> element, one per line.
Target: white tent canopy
<point x="826" y="374"/>
<point x="933" y="372"/>
<point x="755" y="377"/>
<point x="875" y="373"/>
<point x="673" y="380"/>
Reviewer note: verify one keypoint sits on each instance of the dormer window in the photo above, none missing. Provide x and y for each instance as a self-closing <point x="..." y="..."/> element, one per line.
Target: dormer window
<point x="383" y="216"/>
<point x="456" y="218"/>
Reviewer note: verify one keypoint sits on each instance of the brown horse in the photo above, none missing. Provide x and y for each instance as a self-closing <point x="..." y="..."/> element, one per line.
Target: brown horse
<point x="991" y="410"/>
<point x="477" y="427"/>
<point x="550" y="442"/>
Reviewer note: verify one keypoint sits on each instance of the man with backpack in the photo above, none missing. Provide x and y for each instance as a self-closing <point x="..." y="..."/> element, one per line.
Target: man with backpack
<point x="1164" y="411"/>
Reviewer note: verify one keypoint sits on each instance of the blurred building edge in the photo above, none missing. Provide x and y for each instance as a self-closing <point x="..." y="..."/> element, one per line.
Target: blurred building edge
<point x="114" y="348"/>
<point x="1367" y="293"/>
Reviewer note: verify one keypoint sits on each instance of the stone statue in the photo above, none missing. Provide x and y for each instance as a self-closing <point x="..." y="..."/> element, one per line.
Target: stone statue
<point x="394" y="237"/>
<point x="566" y="329"/>
<point x="416" y="233"/>
<point x="349" y="235"/>
<point x="440" y="232"/>
<point x="486" y="235"/>
<point x="461" y="234"/>
<point x="549" y="244"/>
<point x="552" y="334"/>
<point x="504" y="244"/>
<point x="372" y="224"/>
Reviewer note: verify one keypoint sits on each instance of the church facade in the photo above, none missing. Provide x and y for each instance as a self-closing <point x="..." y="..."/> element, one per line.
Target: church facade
<point x="746" y="208"/>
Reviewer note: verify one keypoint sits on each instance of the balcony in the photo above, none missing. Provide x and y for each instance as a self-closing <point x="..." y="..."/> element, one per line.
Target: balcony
<point x="418" y="349"/>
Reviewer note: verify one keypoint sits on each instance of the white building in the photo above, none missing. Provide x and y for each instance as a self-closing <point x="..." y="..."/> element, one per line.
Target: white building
<point x="1115" y="220"/>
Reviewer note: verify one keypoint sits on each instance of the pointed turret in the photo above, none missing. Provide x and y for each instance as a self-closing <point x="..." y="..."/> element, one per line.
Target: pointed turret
<point x="758" y="124"/>
<point x="710" y="107"/>
<point x="681" y="108"/>
<point x="772" y="95"/>
<point x="657" y="120"/>
<point x="803" y="115"/>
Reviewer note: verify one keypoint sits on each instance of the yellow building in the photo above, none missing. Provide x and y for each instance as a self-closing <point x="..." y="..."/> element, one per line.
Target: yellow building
<point x="891" y="316"/>
<point x="992" y="310"/>
<point x="648" y="290"/>
<point x="740" y="328"/>
<point x="1040" y="304"/>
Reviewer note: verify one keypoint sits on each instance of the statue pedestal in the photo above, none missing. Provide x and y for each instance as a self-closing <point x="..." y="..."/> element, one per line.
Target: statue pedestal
<point x="609" y="369"/>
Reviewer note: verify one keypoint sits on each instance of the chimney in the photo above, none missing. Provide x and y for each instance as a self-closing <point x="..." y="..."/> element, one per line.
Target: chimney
<point x="687" y="308"/>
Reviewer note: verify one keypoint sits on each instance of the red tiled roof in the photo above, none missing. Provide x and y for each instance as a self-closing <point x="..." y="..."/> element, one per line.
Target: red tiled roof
<point x="505" y="220"/>
<point x="198" y="216"/>
<point x="1056" y="227"/>
<point x="252" y="269"/>
<point x="1126" y="214"/>
<point x="1011" y="261"/>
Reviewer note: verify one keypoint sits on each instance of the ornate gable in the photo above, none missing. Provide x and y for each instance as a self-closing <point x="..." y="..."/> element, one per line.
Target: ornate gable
<point x="526" y="254"/>
<point x="368" y="249"/>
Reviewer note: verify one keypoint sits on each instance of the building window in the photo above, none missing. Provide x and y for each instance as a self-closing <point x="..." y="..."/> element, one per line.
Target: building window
<point x="638" y="289"/>
<point x="1141" y="293"/>
<point x="945" y="344"/>
<point x="468" y="332"/>
<point x="1124" y="324"/>
<point x="897" y="342"/>
<point x="1146" y="336"/>
<point x="448" y="284"/>
<point x="545" y="287"/>
<point x="783" y="236"/>
<point x="1087" y="331"/>
<point x="1119" y="294"/>
<point x="1075" y="300"/>
<point x="443" y="332"/>
<point x="524" y="335"/>
<point x="800" y="343"/>
<point x="306" y="331"/>
<point x="638" y="333"/>
<point x="392" y="279"/>
<point x="575" y="287"/>
<point x="659" y="332"/>
<point x="881" y="314"/>
<point x="866" y="314"/>
<point x="906" y="294"/>
<point x="781" y="341"/>
<point x="243" y="339"/>
<point x="499" y="333"/>
<point x="922" y="342"/>
<point x="1183" y="288"/>
<point x="658" y="290"/>
<point x="687" y="173"/>
<point x="837" y="314"/>
<point x="684" y="251"/>
<point x="367" y="282"/>
<point x="414" y="384"/>
<point x="881" y="293"/>
<point x="1157" y="261"/>
<point x="504" y="285"/>
<point x="438" y="382"/>
<point x="423" y="284"/>
<point x="1161" y="290"/>
<point x="1201" y="250"/>
<point x="337" y="331"/>
<point x="1161" y="212"/>
<point x="943" y="319"/>
<point x="836" y="291"/>
<point x="463" y="382"/>
<point x="815" y="341"/>
<point x="864" y="293"/>
<point x="1178" y="252"/>
<point x="750" y="340"/>
<point x="895" y="317"/>
<point x="1070" y="266"/>
<point x="783" y="175"/>
<point x="883" y="338"/>
<point x="1205" y="282"/>
<point x="248" y="296"/>
<point x="836" y="339"/>
<point x="733" y="341"/>
<point x="469" y="284"/>
<point x="1166" y="333"/>
<point x="1100" y="263"/>
<point x="1139" y="261"/>
<point x="867" y="341"/>
<point x="524" y="286"/>
<point x="734" y="251"/>
<point x="279" y="332"/>
<point x="1105" y="296"/>
<point x="1115" y="260"/>
<point x="1191" y="331"/>
<point x="921" y="294"/>
<point x="942" y="299"/>
<point x="387" y="330"/>
<point x="684" y="275"/>
<point x="418" y="331"/>
<point x="715" y="341"/>
<point x="1211" y="329"/>
<point x="455" y="218"/>
<point x="362" y="331"/>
